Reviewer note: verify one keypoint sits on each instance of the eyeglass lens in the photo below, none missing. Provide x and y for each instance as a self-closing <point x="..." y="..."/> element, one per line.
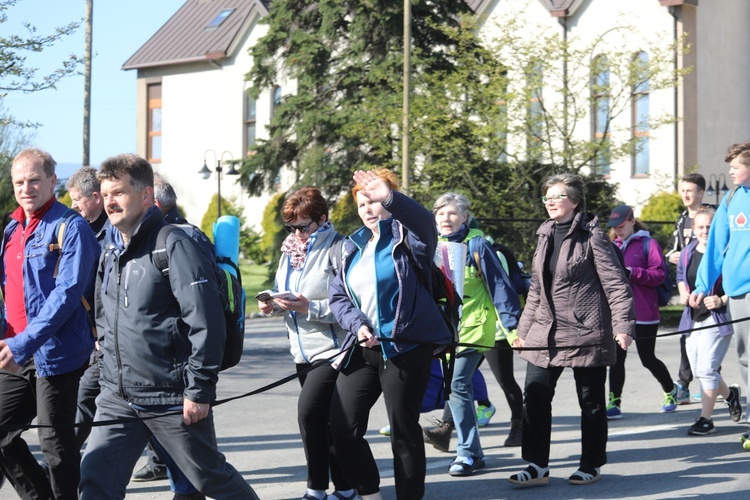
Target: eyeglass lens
<point x="304" y="228"/>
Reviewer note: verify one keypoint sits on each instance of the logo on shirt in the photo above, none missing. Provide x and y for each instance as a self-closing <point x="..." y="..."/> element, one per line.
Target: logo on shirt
<point x="738" y="222"/>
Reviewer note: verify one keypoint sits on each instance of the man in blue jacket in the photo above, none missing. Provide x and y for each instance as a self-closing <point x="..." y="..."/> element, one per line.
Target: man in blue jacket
<point x="48" y="338"/>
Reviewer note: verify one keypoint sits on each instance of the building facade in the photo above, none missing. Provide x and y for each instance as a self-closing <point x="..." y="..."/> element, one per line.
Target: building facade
<point x="192" y="99"/>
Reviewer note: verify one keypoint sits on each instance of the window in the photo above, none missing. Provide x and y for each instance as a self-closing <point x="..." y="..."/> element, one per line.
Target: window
<point x="249" y="123"/>
<point x="535" y="112"/>
<point x="601" y="113"/>
<point x="153" y="142"/>
<point x="220" y="18"/>
<point x="276" y="98"/>
<point x="640" y="116"/>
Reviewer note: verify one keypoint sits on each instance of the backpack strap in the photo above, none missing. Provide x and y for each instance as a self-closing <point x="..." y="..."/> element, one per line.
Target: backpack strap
<point x="161" y="258"/>
<point x="646" y="248"/>
<point x="335" y="252"/>
<point x="58" y="245"/>
<point x="731" y="195"/>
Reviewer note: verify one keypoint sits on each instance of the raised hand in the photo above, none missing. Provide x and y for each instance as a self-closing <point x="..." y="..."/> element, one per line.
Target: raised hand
<point x="375" y="188"/>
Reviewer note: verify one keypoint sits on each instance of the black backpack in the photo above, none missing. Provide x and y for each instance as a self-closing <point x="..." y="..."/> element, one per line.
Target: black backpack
<point x="231" y="293"/>
<point x="521" y="281"/>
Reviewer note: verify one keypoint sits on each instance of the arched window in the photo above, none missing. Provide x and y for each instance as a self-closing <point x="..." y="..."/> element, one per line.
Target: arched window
<point x="600" y="92"/>
<point x="640" y="115"/>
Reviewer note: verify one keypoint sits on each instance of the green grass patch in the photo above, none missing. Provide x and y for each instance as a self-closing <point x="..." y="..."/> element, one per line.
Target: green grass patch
<point x="671" y="314"/>
<point x="253" y="278"/>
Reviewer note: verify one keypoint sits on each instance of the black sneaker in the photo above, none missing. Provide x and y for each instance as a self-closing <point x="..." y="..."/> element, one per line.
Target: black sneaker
<point x="701" y="427"/>
<point x="733" y="403"/>
<point x="149" y="472"/>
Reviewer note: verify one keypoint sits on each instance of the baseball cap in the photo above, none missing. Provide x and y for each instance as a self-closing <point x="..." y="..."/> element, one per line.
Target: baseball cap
<point x="620" y="214"/>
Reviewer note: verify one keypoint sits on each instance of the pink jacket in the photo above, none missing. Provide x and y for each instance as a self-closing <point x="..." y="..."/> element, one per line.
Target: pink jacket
<point x="645" y="275"/>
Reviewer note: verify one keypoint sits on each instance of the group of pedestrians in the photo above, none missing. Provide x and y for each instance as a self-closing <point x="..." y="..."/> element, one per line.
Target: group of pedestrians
<point x="160" y="338"/>
<point x="361" y="322"/>
<point x="591" y="296"/>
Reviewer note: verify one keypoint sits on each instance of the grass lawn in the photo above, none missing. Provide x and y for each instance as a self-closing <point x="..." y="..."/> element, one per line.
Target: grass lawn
<point x="253" y="277"/>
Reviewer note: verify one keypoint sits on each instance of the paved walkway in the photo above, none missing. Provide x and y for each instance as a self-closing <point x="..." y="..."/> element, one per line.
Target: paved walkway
<point x="650" y="454"/>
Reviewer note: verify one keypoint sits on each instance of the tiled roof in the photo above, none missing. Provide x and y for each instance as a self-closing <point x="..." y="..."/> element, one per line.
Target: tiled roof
<point x="185" y="37"/>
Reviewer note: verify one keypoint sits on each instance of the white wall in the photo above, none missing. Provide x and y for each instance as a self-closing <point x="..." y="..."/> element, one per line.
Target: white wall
<point x="592" y="19"/>
<point x="202" y="109"/>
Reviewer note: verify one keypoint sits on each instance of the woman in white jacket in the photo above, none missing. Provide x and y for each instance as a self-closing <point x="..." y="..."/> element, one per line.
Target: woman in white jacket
<point x="311" y="255"/>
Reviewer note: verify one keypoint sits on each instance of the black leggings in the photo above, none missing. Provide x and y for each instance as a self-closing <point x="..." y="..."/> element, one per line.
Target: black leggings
<point x="645" y="342"/>
<point x="500" y="360"/>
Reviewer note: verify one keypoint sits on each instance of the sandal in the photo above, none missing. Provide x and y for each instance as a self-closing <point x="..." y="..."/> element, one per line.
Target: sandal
<point x="532" y="476"/>
<point x="337" y="495"/>
<point x="460" y="468"/>
<point x="582" y="477"/>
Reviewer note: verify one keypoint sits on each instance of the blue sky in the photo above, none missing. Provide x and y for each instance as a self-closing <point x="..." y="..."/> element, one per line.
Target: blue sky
<point x="120" y="28"/>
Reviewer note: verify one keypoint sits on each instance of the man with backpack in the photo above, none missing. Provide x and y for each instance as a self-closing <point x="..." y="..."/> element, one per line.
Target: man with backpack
<point x="164" y="343"/>
<point x="48" y="338"/>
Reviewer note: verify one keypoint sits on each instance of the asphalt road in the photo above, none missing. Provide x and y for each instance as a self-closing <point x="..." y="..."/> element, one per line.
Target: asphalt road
<point x="650" y="454"/>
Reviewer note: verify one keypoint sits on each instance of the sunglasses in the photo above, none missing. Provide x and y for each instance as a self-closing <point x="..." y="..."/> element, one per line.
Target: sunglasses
<point x="303" y="228"/>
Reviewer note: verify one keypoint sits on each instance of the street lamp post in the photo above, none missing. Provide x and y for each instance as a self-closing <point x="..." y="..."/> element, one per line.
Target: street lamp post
<point x="206" y="172"/>
<point x="719" y="192"/>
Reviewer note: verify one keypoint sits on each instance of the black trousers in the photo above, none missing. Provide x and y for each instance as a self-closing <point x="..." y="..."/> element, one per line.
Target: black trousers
<point x="313" y="417"/>
<point x="403" y="381"/>
<point x="645" y="342"/>
<point x="500" y="360"/>
<point x="52" y="400"/>
<point x="537" y="414"/>
<point x="88" y="390"/>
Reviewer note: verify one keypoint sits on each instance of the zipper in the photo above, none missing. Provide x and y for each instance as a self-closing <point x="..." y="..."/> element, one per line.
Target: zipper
<point x="120" y="384"/>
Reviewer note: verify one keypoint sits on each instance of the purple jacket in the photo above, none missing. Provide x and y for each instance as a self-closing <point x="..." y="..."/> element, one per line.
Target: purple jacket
<point x="719" y="315"/>
<point x="645" y="275"/>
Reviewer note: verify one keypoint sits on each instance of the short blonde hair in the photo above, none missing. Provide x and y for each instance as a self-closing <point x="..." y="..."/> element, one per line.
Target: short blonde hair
<point x="385" y="174"/>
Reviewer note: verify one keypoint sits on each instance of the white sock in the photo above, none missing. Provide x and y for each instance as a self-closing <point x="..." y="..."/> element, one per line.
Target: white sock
<point x="319" y="494"/>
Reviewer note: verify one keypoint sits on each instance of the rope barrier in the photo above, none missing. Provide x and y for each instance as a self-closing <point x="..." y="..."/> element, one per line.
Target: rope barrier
<point x="289" y="378"/>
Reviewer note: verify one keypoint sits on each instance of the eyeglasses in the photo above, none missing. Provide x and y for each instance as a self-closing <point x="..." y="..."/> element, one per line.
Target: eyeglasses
<point x="553" y="198"/>
<point x="303" y="228"/>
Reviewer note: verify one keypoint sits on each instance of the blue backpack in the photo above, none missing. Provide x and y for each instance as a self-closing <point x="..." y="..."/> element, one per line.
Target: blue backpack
<point x="664" y="290"/>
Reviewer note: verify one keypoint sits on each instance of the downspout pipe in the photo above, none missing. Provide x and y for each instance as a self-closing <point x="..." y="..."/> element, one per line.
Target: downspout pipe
<point x="674" y="14"/>
<point x="563" y="20"/>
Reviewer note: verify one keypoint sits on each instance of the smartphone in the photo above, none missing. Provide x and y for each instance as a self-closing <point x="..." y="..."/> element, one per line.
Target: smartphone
<point x="264" y="296"/>
<point x="268" y="296"/>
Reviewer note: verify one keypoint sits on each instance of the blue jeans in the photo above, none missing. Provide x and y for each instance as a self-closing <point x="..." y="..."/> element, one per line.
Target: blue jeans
<point x="462" y="404"/>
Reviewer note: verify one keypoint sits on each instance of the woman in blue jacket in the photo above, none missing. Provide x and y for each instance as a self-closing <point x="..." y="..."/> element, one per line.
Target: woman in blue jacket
<point x="379" y="296"/>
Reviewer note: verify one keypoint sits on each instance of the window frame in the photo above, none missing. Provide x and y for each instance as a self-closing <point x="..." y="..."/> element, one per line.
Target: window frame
<point x="640" y="92"/>
<point x="153" y="102"/>
<point x="249" y="122"/>
<point x="600" y="132"/>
